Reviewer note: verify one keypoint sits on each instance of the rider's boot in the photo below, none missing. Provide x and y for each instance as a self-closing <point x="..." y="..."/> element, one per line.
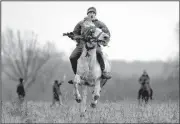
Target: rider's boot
<point x="74" y="67"/>
<point x="106" y="75"/>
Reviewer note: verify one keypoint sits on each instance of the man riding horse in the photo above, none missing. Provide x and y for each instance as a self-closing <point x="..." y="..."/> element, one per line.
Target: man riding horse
<point x="91" y="12"/>
<point x="89" y="72"/>
<point x="145" y="90"/>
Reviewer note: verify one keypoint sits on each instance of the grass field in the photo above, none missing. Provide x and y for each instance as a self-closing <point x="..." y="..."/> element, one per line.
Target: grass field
<point x="126" y="111"/>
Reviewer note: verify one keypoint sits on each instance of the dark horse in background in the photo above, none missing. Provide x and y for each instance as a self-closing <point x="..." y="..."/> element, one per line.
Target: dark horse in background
<point x="145" y="93"/>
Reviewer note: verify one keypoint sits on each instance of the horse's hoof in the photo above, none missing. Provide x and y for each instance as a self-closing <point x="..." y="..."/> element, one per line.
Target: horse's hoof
<point x="93" y="105"/>
<point x="78" y="100"/>
<point x="96" y="97"/>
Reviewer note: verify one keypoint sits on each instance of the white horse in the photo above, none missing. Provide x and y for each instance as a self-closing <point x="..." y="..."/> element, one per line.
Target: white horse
<point x="88" y="68"/>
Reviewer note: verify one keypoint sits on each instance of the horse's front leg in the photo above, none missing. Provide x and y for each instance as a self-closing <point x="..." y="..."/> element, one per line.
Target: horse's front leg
<point x="84" y="98"/>
<point x="96" y="94"/>
<point x="146" y="99"/>
<point x="139" y="97"/>
<point x="77" y="81"/>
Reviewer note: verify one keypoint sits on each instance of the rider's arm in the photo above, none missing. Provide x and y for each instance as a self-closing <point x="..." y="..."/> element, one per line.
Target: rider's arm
<point x="148" y="79"/>
<point x="77" y="30"/>
<point x="140" y="80"/>
<point x="104" y="28"/>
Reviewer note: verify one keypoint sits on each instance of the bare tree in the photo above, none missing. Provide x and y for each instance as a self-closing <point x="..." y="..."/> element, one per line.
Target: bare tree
<point x="177" y="57"/>
<point x="171" y="67"/>
<point x="177" y="32"/>
<point x="22" y="56"/>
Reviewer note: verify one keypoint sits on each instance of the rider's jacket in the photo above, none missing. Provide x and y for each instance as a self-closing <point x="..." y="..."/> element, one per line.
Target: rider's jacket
<point x="98" y="24"/>
<point x="144" y="79"/>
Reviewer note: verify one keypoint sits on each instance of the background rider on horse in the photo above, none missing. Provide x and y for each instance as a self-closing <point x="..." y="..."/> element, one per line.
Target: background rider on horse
<point x="144" y="79"/>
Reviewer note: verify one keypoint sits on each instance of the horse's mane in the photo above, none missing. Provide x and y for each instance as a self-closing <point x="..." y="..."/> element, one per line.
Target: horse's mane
<point x="87" y="27"/>
<point x="87" y="32"/>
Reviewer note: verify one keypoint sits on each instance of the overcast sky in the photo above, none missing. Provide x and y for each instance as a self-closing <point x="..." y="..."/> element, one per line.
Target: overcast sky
<point x="139" y="30"/>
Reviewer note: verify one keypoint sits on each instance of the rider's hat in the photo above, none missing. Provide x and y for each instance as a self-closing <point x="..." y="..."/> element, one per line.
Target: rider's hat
<point x="144" y="72"/>
<point x="91" y="9"/>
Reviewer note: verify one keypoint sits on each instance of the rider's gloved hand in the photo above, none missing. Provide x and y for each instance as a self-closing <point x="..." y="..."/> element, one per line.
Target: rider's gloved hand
<point x="104" y="44"/>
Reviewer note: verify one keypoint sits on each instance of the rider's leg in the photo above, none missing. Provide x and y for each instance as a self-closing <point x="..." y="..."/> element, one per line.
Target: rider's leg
<point x="102" y="64"/>
<point x="74" y="57"/>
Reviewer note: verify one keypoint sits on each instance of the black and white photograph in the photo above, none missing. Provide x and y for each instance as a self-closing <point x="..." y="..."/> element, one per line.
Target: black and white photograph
<point x="90" y="61"/>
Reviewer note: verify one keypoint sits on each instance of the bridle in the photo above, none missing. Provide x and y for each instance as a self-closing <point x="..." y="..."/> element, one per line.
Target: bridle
<point x="90" y="39"/>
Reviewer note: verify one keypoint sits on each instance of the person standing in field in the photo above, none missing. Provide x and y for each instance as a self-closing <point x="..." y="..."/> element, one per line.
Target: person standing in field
<point x="57" y="95"/>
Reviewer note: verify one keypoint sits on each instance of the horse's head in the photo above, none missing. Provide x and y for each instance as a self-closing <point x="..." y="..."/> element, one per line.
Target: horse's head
<point x="93" y="35"/>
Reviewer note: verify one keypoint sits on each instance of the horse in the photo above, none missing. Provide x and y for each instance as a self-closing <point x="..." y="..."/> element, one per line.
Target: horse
<point x="88" y="68"/>
<point x="145" y="92"/>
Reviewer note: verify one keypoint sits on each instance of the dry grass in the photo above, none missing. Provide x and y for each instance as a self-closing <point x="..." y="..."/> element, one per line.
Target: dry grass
<point x="126" y="111"/>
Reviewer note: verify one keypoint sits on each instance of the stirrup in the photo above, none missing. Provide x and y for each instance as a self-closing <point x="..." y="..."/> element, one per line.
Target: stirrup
<point x="106" y="76"/>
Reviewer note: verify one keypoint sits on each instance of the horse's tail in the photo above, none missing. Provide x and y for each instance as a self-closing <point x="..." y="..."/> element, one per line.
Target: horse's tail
<point x="151" y="94"/>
